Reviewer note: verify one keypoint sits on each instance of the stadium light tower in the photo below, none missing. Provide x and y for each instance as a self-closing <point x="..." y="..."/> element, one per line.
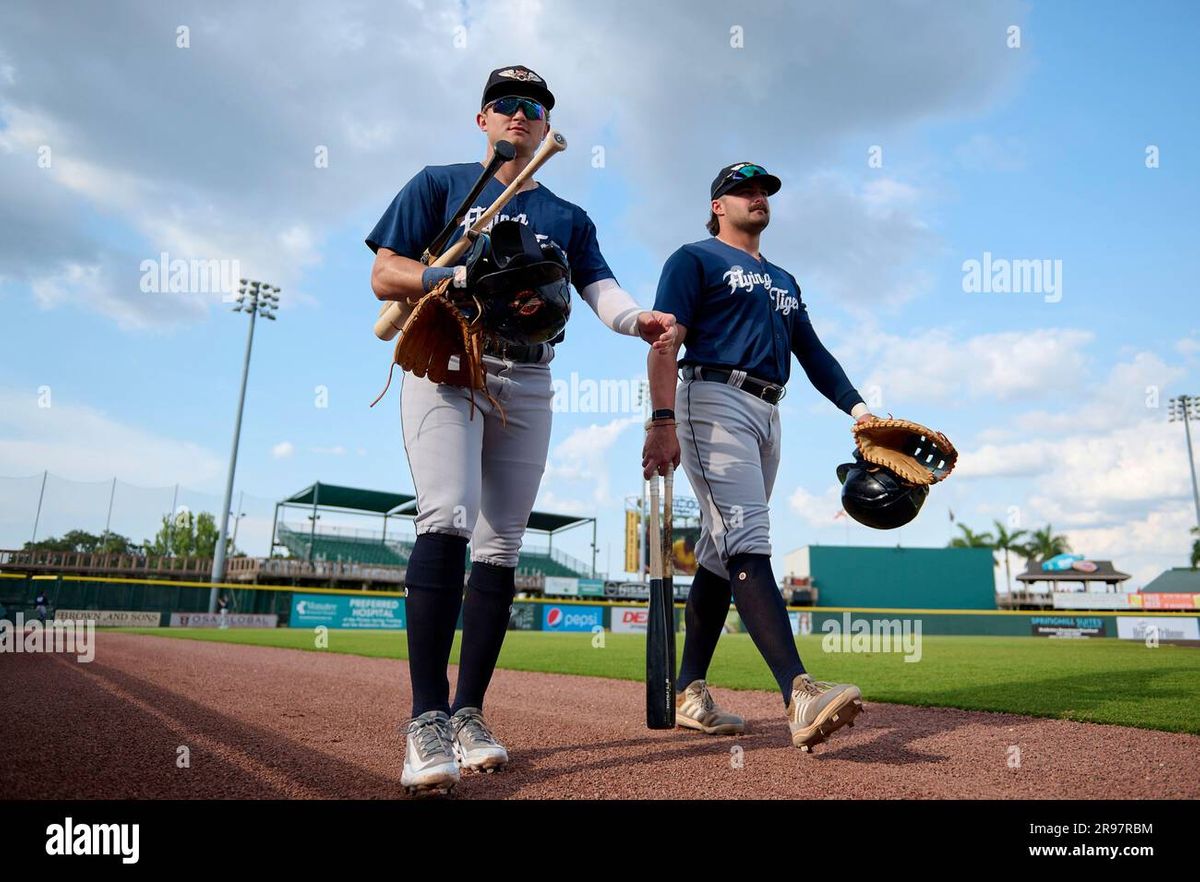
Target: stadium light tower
<point x="1186" y="409"/>
<point x="254" y="298"/>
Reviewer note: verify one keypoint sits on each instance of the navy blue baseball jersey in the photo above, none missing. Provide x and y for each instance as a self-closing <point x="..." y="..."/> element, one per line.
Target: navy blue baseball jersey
<point x="745" y="313"/>
<point x="424" y="206"/>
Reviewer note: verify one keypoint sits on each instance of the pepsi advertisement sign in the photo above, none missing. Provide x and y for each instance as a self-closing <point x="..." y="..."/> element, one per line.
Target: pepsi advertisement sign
<point x="569" y="617"/>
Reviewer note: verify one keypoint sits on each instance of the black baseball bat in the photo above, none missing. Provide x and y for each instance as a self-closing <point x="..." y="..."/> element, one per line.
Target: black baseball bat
<point x="501" y="153"/>
<point x="660" y="626"/>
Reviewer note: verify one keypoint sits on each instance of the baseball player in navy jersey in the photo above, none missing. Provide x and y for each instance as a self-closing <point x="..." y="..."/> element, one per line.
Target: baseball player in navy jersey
<point x="740" y="319"/>
<point x="476" y="478"/>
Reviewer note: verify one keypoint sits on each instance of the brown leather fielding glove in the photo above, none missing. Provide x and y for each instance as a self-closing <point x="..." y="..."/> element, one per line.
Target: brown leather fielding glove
<point x="439" y="343"/>
<point x="914" y="453"/>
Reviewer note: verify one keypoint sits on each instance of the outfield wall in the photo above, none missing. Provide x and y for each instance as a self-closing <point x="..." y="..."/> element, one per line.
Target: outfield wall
<point x="178" y="602"/>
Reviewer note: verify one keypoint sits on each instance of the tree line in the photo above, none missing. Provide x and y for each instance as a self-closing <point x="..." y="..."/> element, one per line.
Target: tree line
<point x="183" y="535"/>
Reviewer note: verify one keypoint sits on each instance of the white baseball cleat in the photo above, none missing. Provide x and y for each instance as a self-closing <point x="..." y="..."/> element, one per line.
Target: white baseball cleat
<point x="695" y="709"/>
<point x="429" y="762"/>
<point x="474" y="744"/>
<point x="817" y="710"/>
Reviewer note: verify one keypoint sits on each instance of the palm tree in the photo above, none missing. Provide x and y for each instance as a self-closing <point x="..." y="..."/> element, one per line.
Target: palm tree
<point x="970" y="539"/>
<point x="1006" y="542"/>
<point x="1196" y="548"/>
<point x="1043" y="544"/>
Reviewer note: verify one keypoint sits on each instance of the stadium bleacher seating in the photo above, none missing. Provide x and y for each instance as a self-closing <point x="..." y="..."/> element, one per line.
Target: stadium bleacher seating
<point x="395" y="552"/>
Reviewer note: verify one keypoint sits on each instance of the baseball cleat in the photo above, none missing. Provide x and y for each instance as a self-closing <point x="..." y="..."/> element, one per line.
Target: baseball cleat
<point x="475" y="747"/>
<point x="695" y="709"/>
<point x="817" y="710"/>
<point x="429" y="763"/>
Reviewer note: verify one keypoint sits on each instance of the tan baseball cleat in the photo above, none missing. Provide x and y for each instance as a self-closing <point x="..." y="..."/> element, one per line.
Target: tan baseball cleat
<point x="695" y="709"/>
<point x="817" y="710"/>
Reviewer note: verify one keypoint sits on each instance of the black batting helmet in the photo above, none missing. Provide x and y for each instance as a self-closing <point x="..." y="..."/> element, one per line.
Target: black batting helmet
<point x="522" y="285"/>
<point x="876" y="497"/>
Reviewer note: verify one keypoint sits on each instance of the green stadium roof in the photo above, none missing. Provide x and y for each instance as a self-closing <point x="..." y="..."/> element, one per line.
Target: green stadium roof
<point x="379" y="502"/>
<point x="352" y="498"/>
<point x="1177" y="580"/>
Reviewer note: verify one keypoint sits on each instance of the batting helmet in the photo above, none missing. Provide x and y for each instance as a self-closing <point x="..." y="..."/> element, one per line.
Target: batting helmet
<point x="523" y="286"/>
<point x="876" y="497"/>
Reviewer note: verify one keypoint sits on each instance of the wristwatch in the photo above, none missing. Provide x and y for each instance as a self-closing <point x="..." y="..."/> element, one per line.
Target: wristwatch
<point x="663" y="413"/>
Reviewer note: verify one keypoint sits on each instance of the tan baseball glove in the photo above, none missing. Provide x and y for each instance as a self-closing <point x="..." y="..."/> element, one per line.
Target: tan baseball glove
<point x="914" y="453"/>
<point x="439" y="343"/>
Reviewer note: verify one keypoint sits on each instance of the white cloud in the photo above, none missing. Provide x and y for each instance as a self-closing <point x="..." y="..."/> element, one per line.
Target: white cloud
<point x="935" y="367"/>
<point x="583" y="457"/>
<point x="1188" y="346"/>
<point x="283" y="450"/>
<point x="856" y="244"/>
<point x="223" y="177"/>
<point x="1142" y="547"/>
<point x="1078" y="476"/>
<point x="816" y="510"/>
<point x="76" y="441"/>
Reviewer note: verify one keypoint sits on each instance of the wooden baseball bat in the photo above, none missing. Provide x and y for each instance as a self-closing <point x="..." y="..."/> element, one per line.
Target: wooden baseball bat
<point x="392" y="314"/>
<point x="660" y="625"/>
<point x="502" y="152"/>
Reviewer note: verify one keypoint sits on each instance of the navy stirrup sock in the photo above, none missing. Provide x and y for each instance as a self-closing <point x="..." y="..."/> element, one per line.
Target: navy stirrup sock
<point x="434" y="583"/>
<point x="490" y="592"/>
<point x="704" y="618"/>
<point x="764" y="614"/>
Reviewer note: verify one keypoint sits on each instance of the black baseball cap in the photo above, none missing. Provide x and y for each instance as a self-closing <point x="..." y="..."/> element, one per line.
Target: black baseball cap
<point x="732" y="175"/>
<point x="516" y="79"/>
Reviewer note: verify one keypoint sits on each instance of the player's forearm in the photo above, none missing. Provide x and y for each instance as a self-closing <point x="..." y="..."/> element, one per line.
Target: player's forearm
<point x="662" y="372"/>
<point x="824" y="371"/>
<point x="613" y="305"/>
<point x="395" y="277"/>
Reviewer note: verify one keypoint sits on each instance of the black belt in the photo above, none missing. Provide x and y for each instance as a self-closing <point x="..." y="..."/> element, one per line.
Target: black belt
<point x="531" y="353"/>
<point x="768" y="392"/>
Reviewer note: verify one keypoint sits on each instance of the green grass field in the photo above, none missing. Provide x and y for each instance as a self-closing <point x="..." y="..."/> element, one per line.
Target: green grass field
<point x="1122" y="682"/>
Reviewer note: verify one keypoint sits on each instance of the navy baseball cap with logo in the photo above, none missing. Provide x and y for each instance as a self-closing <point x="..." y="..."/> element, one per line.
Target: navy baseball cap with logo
<point x="518" y="80"/>
<point x="732" y="175"/>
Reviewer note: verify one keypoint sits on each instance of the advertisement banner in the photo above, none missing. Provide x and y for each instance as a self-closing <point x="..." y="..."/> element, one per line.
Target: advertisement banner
<point x="229" y="620"/>
<point x="683" y="549"/>
<point x="110" y="618"/>
<point x="591" y="587"/>
<point x="630" y="619"/>
<point x="561" y="586"/>
<point x="631" y="541"/>
<point x="1166" y="600"/>
<point x="571" y="618"/>
<point x="1089" y="600"/>
<point x="627" y="590"/>
<point x="1067" y="626"/>
<point x="523" y="617"/>
<point x="1158" y="628"/>
<point x="343" y="611"/>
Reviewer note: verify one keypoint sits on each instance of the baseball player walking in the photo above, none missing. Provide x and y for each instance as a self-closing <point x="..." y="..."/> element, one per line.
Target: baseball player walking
<point x="739" y="319"/>
<point x="476" y="478"/>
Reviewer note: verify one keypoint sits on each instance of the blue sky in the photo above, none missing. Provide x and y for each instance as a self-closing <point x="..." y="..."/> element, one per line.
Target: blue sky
<point x="1036" y="152"/>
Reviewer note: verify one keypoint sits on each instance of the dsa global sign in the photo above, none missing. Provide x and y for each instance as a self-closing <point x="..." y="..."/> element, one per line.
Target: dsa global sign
<point x="571" y="618"/>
